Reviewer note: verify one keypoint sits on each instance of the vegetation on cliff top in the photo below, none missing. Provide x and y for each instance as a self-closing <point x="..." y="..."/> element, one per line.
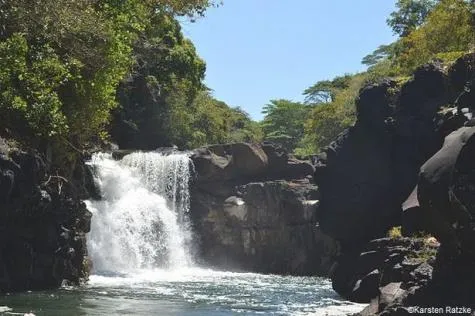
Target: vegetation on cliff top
<point x="65" y="68"/>
<point x="427" y="30"/>
<point x="74" y="72"/>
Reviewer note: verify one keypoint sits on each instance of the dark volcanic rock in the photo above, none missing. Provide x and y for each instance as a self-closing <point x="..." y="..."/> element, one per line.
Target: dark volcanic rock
<point x="425" y="92"/>
<point x="254" y="209"/>
<point x="445" y="198"/>
<point x="462" y="79"/>
<point x="372" y="104"/>
<point x="435" y="180"/>
<point x="432" y="183"/>
<point x="413" y="217"/>
<point x="356" y="178"/>
<point x="245" y="162"/>
<point x="231" y="161"/>
<point x="42" y="226"/>
<point x="356" y="186"/>
<point x="462" y="72"/>
<point x="367" y="286"/>
<point x="370" y="169"/>
<point x="359" y="275"/>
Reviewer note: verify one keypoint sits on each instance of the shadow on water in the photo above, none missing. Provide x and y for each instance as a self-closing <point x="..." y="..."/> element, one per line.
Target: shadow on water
<point x="79" y="301"/>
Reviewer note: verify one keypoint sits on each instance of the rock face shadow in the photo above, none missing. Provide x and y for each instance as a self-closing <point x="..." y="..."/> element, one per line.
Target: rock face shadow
<point x="408" y="161"/>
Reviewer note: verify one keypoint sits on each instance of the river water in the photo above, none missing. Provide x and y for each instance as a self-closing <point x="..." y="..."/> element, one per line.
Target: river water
<point x="142" y="248"/>
<point x="190" y="291"/>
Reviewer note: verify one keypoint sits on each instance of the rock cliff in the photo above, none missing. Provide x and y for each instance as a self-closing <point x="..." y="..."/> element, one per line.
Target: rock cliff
<point x="408" y="161"/>
<point x="254" y="209"/>
<point x="43" y="223"/>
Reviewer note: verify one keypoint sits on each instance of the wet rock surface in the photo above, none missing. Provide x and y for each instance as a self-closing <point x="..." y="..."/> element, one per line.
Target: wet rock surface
<point x="43" y="223"/>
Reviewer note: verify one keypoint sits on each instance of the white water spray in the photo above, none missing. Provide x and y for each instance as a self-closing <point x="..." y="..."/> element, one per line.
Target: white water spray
<point x="141" y="222"/>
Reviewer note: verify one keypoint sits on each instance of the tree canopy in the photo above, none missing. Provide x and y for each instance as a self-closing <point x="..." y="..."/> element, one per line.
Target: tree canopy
<point x="452" y="21"/>
<point x="78" y="73"/>
<point x="68" y="67"/>
<point x="326" y="90"/>
<point x="409" y="15"/>
<point x="427" y="29"/>
<point x="283" y="122"/>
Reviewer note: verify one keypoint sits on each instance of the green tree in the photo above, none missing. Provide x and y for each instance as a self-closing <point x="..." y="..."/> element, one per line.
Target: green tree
<point x="210" y="121"/>
<point x="324" y="91"/>
<point x="166" y="77"/>
<point x="62" y="61"/>
<point x="243" y="128"/>
<point x="409" y="15"/>
<point x="325" y="121"/>
<point x="383" y="52"/>
<point x="442" y="29"/>
<point x="283" y="122"/>
<point x="452" y="23"/>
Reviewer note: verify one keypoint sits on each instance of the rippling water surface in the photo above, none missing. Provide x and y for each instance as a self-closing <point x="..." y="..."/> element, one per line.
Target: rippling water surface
<point x="140" y="231"/>
<point x="192" y="291"/>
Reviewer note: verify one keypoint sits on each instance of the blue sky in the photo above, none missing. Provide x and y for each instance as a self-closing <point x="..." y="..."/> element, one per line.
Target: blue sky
<point x="258" y="50"/>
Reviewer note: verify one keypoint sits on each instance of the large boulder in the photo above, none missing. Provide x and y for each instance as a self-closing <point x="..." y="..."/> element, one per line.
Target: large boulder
<point x="462" y="72"/>
<point x="425" y="92"/>
<point x="372" y="104"/>
<point x="244" y="162"/>
<point x="448" y="204"/>
<point x="462" y="79"/>
<point x="462" y="188"/>
<point x="356" y="177"/>
<point x="355" y="185"/>
<point x="360" y="275"/>
<point x="230" y="161"/>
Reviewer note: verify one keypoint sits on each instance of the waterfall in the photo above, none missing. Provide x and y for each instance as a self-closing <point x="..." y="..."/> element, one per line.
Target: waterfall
<point x="141" y="222"/>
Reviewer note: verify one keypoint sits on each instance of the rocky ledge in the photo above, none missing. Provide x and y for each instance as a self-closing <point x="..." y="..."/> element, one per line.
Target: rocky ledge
<point x="43" y="223"/>
<point x="408" y="161"/>
<point x="254" y="209"/>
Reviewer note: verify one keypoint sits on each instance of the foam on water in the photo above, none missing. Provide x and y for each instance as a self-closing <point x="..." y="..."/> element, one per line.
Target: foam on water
<point x="141" y="220"/>
<point x="231" y="292"/>
<point x="140" y="244"/>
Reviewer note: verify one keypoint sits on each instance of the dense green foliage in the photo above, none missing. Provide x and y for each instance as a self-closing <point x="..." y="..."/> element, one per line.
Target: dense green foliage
<point x="409" y="15"/>
<point x="68" y="67"/>
<point x="451" y="21"/>
<point x="75" y="73"/>
<point x="329" y="119"/>
<point x="209" y="121"/>
<point x="444" y="29"/>
<point x="164" y="102"/>
<point x="283" y="122"/>
<point x="325" y="91"/>
<point x="61" y="61"/>
<point x="428" y="29"/>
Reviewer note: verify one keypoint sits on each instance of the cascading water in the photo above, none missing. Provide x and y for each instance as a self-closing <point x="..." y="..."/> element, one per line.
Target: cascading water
<point x="140" y="247"/>
<point x="141" y="222"/>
